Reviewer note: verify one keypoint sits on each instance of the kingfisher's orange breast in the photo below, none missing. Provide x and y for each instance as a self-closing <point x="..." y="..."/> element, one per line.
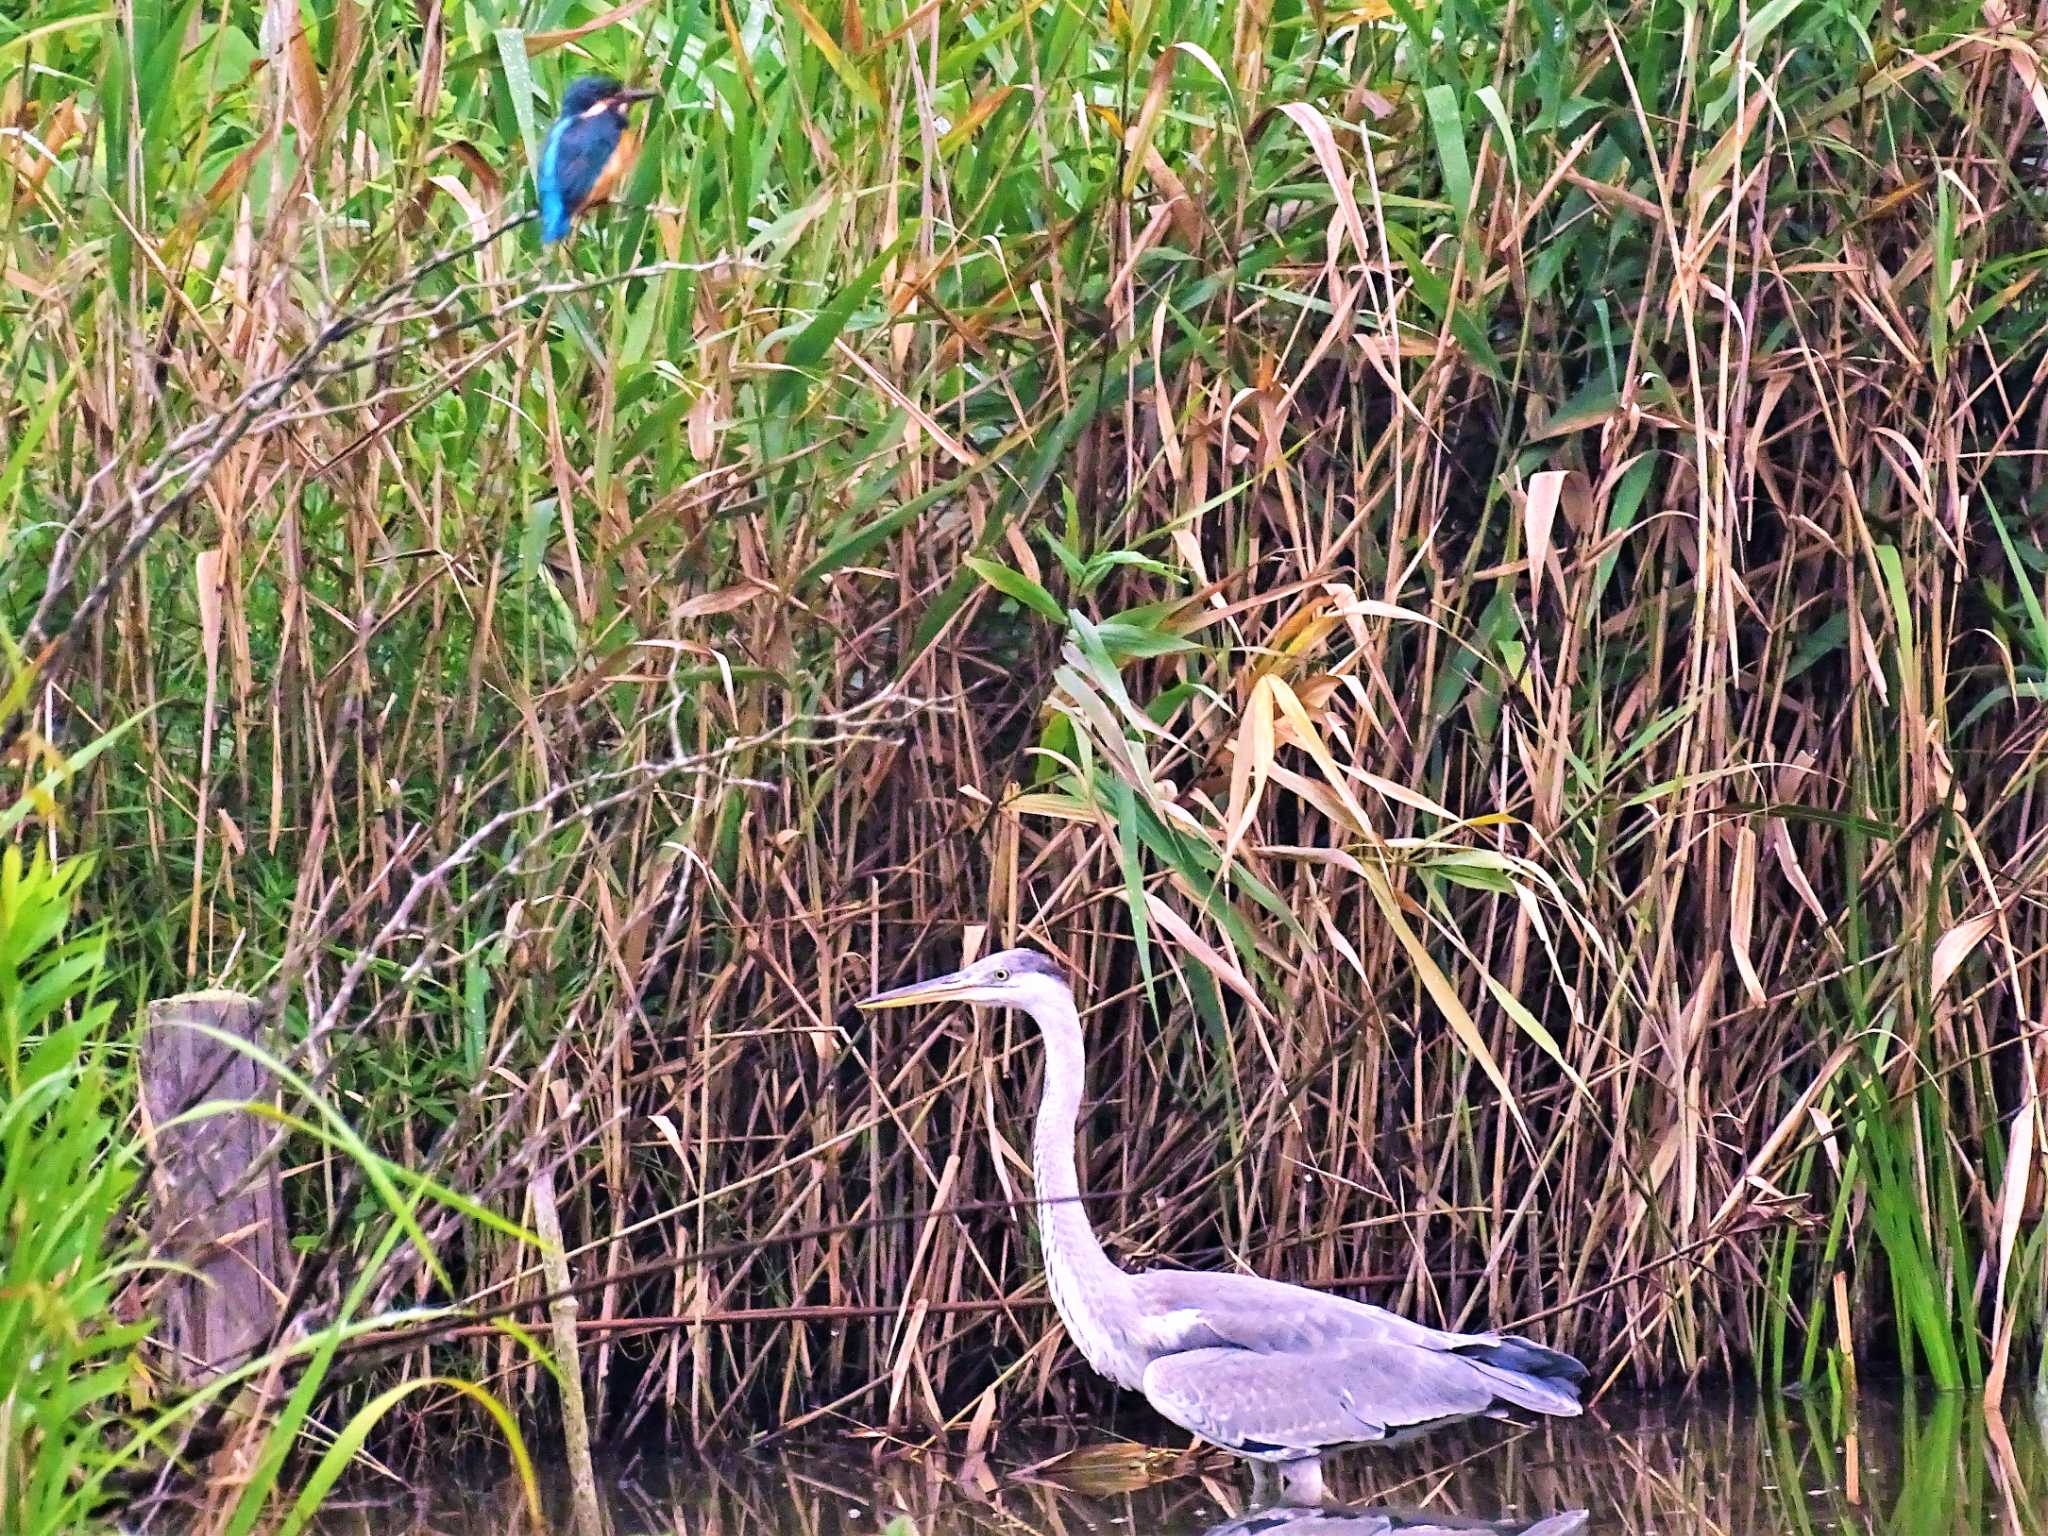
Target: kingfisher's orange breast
<point x="615" y="169"/>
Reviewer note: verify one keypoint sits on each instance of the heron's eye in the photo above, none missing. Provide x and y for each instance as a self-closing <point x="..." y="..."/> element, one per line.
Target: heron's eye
<point x="1001" y="974"/>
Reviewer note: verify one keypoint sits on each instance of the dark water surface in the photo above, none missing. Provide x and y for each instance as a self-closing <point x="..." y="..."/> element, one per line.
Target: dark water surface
<point x="1916" y="1464"/>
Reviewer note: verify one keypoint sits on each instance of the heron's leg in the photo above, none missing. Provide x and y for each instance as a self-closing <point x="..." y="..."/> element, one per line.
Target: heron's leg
<point x="1301" y="1482"/>
<point x="1262" y="1484"/>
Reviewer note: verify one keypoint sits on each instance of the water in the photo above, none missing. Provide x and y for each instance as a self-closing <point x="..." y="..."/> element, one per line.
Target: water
<point x="1913" y="1465"/>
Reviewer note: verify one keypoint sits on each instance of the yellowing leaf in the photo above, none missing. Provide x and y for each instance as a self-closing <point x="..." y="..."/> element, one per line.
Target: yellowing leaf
<point x="848" y="72"/>
<point x="1250" y="764"/>
<point x="538" y="43"/>
<point x="1532" y="1026"/>
<point x="1312" y="742"/>
<point x="1954" y="948"/>
<point x="1442" y="993"/>
<point x="980" y="112"/>
<point x="1045" y="803"/>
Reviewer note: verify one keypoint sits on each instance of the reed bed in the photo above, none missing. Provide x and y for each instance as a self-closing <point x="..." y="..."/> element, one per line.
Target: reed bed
<point x="1475" y="570"/>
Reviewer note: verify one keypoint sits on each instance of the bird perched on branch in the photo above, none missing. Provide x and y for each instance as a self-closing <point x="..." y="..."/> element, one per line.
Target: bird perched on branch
<point x="1274" y="1372"/>
<point x="588" y="152"/>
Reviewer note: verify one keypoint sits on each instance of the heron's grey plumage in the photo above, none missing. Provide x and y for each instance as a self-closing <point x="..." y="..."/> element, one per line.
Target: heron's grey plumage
<point x="1274" y="1372"/>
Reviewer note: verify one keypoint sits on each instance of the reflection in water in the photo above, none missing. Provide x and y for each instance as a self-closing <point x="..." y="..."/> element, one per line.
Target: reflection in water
<point x="1924" y="1466"/>
<point x="1383" y="1520"/>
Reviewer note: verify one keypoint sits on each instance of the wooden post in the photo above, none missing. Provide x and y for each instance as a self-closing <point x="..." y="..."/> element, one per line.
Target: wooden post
<point x="208" y="1214"/>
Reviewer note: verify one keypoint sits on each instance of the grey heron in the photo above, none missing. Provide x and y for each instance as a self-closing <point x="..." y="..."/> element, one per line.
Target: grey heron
<point x="1276" y="1373"/>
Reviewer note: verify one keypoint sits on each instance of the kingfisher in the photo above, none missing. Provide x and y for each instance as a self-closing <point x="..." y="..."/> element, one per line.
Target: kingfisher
<point x="588" y="152"/>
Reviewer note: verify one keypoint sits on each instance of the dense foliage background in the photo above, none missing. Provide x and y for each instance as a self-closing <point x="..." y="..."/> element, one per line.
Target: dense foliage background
<point x="1474" y="568"/>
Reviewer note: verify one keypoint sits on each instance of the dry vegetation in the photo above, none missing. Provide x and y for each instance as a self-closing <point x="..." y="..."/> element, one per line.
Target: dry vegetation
<point x="1476" y="571"/>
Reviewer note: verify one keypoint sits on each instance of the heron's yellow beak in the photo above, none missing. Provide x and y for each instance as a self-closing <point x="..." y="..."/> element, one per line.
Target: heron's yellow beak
<point x="937" y="990"/>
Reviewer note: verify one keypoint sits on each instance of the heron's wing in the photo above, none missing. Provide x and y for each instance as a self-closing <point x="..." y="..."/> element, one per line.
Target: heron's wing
<point x="1186" y="1311"/>
<point x="1283" y="1405"/>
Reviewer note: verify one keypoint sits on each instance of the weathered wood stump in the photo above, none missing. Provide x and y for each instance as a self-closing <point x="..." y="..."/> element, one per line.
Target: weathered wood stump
<point x="208" y="1214"/>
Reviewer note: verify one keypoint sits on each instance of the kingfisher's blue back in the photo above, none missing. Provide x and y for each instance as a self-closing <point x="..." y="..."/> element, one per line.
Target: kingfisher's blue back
<point x="586" y="153"/>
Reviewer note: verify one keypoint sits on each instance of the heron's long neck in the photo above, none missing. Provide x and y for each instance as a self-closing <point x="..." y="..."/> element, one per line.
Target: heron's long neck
<point x="1092" y="1294"/>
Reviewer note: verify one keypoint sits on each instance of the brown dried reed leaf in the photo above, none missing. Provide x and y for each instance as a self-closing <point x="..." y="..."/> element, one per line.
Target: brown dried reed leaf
<point x="345" y="38"/>
<point x="1139" y="139"/>
<point x="1547" y="490"/>
<point x="1709" y="178"/>
<point x="14" y="277"/>
<point x="1047" y="803"/>
<point x="1212" y="959"/>
<point x="1443" y="994"/>
<point x="209" y="573"/>
<point x="1304" y="630"/>
<point x="701" y="425"/>
<point x="286" y="42"/>
<point x="1954" y="947"/>
<point x="538" y="43"/>
<point x="2027" y="67"/>
<point x="480" y="169"/>
<point x="1407" y="796"/>
<point x="1250" y="764"/>
<point x="32" y="155"/>
<point x="1349" y="606"/>
<point x="1795" y="872"/>
<point x="667" y="1127"/>
<point x="1336" y="858"/>
<point x="724" y="600"/>
<point x="1181" y="208"/>
<point x="226" y="185"/>
<point x="979" y="111"/>
<point x="1742" y="913"/>
<point x="906" y="1353"/>
<point x="426" y="95"/>
<point x="1313" y="792"/>
<point x="1312" y="123"/>
<point x="2012" y="1210"/>
<point x="1316" y="691"/>
<point x="1894" y="200"/>
<point x="1311" y="741"/>
<point x="459" y="193"/>
<point x="1341" y="942"/>
<point x="981" y="1428"/>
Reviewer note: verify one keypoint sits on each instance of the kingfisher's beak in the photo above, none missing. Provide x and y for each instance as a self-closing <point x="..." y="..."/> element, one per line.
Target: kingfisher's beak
<point x="937" y="990"/>
<point x="635" y="93"/>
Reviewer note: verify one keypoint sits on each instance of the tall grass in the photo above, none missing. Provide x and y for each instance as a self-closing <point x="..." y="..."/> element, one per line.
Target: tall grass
<point x="1475" y="568"/>
<point x="66" y="1364"/>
